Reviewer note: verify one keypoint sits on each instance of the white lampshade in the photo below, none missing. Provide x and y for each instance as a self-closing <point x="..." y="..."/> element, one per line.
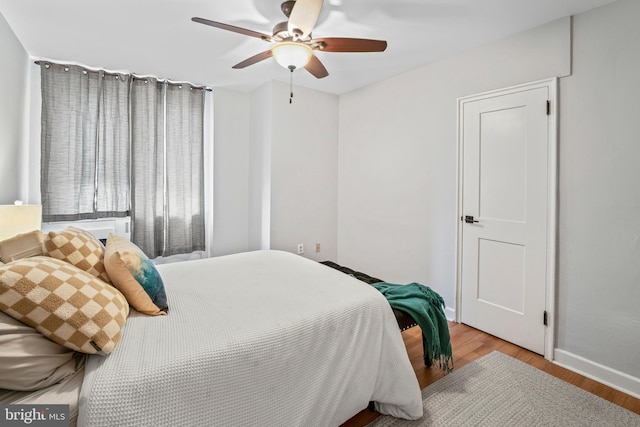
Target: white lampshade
<point x="16" y="219"/>
<point x="292" y="55"/>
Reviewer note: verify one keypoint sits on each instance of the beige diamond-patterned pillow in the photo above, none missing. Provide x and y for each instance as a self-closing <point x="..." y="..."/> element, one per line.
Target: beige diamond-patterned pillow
<point x="79" y="248"/>
<point x="65" y="304"/>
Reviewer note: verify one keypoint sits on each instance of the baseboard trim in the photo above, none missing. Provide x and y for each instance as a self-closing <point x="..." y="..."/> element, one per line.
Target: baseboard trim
<point x="450" y="314"/>
<point x="603" y="374"/>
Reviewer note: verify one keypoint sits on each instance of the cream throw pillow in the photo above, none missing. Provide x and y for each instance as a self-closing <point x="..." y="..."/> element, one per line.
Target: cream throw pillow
<point x="135" y="276"/>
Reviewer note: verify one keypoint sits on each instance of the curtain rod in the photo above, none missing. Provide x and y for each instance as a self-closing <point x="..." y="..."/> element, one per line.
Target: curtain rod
<point x="207" y="88"/>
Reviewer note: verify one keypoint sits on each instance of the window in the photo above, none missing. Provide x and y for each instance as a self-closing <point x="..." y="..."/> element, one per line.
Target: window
<point x="119" y="145"/>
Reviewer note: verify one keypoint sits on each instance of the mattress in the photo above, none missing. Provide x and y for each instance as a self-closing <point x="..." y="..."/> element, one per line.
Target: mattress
<point x="261" y="338"/>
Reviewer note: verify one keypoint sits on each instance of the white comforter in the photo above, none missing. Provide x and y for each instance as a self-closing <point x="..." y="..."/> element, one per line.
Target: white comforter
<point x="263" y="338"/>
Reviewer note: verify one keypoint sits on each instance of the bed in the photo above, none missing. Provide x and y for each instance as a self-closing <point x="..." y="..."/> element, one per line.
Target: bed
<point x="260" y="338"/>
<point x="404" y="319"/>
<point x="417" y="300"/>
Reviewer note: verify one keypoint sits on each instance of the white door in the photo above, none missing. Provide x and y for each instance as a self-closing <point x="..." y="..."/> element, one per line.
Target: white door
<point x="504" y="206"/>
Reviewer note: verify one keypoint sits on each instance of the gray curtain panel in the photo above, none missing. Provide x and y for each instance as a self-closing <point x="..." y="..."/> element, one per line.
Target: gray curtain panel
<point x="113" y="180"/>
<point x="184" y="168"/>
<point x="117" y="145"/>
<point x="167" y="207"/>
<point x="85" y="144"/>
<point x="147" y="165"/>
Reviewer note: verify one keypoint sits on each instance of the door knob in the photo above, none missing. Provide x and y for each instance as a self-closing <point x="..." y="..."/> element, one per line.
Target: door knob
<point x="468" y="219"/>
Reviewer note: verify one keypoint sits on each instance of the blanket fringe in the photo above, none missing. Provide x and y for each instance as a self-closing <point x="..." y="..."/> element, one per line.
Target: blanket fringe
<point x="427" y="308"/>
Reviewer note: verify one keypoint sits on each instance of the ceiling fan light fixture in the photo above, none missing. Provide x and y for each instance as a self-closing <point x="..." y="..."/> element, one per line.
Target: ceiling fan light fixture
<point x="292" y="55"/>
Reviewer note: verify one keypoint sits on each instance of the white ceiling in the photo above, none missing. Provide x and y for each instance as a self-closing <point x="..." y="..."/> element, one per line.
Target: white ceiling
<point x="157" y="37"/>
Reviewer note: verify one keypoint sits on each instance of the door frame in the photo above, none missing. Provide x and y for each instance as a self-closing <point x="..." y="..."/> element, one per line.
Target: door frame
<point x="552" y="196"/>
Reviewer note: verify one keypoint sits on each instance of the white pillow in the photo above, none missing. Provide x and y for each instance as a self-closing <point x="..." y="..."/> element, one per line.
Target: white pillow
<point x="22" y="246"/>
<point x="30" y="361"/>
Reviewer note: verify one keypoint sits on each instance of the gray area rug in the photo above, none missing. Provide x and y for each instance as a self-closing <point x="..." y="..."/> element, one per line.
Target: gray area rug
<point x="498" y="390"/>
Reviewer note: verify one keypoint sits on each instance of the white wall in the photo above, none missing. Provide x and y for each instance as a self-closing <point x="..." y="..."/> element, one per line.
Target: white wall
<point x="294" y="170"/>
<point x="13" y="81"/>
<point x="397" y="190"/>
<point x="599" y="234"/>
<point x="260" y="169"/>
<point x="231" y="171"/>
<point x="31" y="179"/>
<point x="304" y="171"/>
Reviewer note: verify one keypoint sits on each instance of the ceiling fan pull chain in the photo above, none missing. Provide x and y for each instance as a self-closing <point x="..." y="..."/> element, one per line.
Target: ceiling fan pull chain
<point x="291" y="86"/>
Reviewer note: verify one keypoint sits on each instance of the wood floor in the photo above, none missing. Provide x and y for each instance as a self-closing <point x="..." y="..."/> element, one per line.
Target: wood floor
<point x="470" y="344"/>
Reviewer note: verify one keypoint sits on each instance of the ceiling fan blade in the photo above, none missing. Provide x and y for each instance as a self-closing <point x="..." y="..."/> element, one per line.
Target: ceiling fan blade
<point x="316" y="68"/>
<point x="304" y="17"/>
<point x="255" y="58"/>
<point x="233" y="28"/>
<point x="340" y="44"/>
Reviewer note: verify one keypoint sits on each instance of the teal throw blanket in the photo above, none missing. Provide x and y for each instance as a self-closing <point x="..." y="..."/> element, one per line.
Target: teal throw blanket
<point x="427" y="309"/>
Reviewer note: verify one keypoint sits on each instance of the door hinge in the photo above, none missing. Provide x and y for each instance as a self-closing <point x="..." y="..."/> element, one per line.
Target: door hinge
<point x="544" y="318"/>
<point x="548" y="108"/>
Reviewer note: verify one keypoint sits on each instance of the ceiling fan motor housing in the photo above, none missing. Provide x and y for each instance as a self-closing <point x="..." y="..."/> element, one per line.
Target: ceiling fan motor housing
<point x="287" y="6"/>
<point x="281" y="31"/>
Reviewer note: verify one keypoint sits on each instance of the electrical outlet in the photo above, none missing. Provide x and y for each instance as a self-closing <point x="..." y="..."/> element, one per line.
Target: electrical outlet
<point x="300" y="248"/>
<point x="317" y="247"/>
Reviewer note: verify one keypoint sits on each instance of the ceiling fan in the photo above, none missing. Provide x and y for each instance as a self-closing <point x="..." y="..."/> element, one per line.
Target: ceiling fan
<point x="294" y="45"/>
